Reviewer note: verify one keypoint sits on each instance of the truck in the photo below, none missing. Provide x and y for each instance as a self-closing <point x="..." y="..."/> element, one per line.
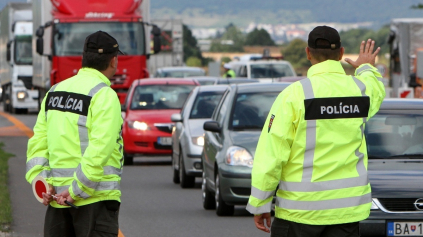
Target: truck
<point x="18" y="93"/>
<point x="60" y="29"/>
<point x="406" y="58"/>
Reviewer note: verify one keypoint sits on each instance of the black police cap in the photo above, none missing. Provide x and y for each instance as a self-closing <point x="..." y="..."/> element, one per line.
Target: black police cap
<point x="324" y="33"/>
<point x="101" y="42"/>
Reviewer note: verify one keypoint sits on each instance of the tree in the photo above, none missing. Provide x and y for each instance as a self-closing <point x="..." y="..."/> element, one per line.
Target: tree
<point x="193" y="62"/>
<point x="259" y="37"/>
<point x="231" y="41"/>
<point x="351" y="39"/>
<point x="190" y="46"/>
<point x="295" y="53"/>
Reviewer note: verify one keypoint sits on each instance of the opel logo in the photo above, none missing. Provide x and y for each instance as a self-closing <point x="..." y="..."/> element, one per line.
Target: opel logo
<point x="419" y="204"/>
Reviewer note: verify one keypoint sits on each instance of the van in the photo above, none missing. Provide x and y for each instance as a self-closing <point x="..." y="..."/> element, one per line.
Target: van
<point x="263" y="70"/>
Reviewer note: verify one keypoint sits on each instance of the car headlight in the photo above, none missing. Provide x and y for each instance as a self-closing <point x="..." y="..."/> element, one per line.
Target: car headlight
<point x="138" y="125"/>
<point x="238" y="156"/>
<point x="199" y="141"/>
<point x="374" y="206"/>
<point x="21" y="95"/>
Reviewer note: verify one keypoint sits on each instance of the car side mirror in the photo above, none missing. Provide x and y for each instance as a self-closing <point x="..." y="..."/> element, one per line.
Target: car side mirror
<point x="212" y="126"/>
<point x="176" y="118"/>
<point x="123" y="108"/>
<point x="40" y="46"/>
<point x="8" y="51"/>
<point x="156" y="39"/>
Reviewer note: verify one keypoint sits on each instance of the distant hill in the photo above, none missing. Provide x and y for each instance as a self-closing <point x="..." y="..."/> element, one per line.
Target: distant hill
<point x="285" y="11"/>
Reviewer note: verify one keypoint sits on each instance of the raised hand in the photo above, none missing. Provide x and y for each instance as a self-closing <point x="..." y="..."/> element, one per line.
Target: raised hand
<point x="366" y="54"/>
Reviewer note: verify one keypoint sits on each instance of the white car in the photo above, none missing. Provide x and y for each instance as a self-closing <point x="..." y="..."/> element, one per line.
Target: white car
<point x="263" y="70"/>
<point x="188" y="134"/>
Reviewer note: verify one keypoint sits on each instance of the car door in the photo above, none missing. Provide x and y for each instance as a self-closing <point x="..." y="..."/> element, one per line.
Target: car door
<point x="213" y="141"/>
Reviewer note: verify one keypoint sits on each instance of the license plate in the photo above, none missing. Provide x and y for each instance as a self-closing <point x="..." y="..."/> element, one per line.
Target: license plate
<point x="405" y="229"/>
<point x="164" y="141"/>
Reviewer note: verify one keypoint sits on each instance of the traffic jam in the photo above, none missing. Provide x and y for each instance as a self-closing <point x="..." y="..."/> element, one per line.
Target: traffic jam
<point x="209" y="126"/>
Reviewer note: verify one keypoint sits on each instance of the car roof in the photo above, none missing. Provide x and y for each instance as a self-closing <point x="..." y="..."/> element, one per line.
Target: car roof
<point x="162" y="81"/>
<point x="261" y="87"/>
<point x="236" y="80"/>
<point x="180" y="69"/>
<point x="212" y="88"/>
<point x="402" y="104"/>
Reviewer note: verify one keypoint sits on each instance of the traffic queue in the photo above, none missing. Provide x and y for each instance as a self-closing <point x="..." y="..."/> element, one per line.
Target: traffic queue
<point x="211" y="131"/>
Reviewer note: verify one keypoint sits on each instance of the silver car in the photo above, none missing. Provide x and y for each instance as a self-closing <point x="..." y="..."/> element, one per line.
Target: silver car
<point x="230" y="142"/>
<point x="187" y="137"/>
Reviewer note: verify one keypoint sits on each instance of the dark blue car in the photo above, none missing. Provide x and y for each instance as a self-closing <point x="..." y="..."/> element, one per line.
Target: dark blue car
<point x="395" y="147"/>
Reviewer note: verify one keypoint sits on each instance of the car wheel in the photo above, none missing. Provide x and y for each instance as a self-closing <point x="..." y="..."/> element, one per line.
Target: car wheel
<point x="128" y="159"/>
<point x="208" y="198"/>
<point x="222" y="209"/>
<point x="186" y="181"/>
<point x="175" y="171"/>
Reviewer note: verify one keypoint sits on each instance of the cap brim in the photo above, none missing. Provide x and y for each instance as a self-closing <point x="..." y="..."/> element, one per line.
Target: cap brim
<point x="120" y="52"/>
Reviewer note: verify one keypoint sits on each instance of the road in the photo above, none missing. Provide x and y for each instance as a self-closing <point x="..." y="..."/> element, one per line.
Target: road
<point x="151" y="204"/>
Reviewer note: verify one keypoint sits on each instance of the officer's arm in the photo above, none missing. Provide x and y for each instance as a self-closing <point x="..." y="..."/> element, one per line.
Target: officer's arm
<point x="375" y="89"/>
<point x="37" y="162"/>
<point x="106" y="122"/>
<point x="273" y="150"/>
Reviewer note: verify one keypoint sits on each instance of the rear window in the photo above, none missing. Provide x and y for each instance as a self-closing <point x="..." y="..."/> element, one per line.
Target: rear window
<point x="204" y="104"/>
<point x="251" y="110"/>
<point x="160" y="96"/>
<point x="395" y="134"/>
<point x="271" y="71"/>
<point x="182" y="74"/>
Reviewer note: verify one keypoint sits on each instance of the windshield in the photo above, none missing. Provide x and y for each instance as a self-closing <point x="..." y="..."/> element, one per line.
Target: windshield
<point x="69" y="38"/>
<point x="160" y="96"/>
<point x="271" y="71"/>
<point x="251" y="109"/>
<point x="394" y="134"/>
<point x="23" y="50"/>
<point x="204" y="104"/>
<point x="182" y="74"/>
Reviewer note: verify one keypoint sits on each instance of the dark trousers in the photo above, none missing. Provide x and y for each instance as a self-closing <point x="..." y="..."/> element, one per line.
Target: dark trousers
<point x="99" y="219"/>
<point x="284" y="228"/>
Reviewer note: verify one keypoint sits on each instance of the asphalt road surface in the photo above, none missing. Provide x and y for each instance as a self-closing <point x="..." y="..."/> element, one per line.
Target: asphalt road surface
<point x="151" y="204"/>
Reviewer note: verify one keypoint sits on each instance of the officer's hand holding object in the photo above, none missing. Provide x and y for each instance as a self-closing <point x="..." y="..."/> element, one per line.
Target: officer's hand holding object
<point x="259" y="221"/>
<point x="366" y="54"/>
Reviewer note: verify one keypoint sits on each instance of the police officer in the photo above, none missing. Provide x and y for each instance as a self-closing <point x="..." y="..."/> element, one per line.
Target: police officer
<point x="77" y="146"/>
<point x="229" y="73"/>
<point x="313" y="145"/>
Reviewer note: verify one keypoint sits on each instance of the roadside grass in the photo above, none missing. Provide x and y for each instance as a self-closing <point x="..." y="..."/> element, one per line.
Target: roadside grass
<point x="5" y="205"/>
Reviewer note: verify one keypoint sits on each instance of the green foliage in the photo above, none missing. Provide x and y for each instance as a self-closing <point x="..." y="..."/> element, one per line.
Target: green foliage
<point x="351" y="39"/>
<point x="5" y="206"/>
<point x="259" y="38"/>
<point x="295" y="53"/>
<point x="193" y="62"/>
<point x="190" y="46"/>
<point x="225" y="60"/>
<point x="231" y="41"/>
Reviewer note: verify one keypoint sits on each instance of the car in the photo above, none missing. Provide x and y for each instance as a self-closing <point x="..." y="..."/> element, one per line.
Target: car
<point x="222" y="81"/>
<point x="147" y="127"/>
<point x="263" y="70"/>
<point x="394" y="138"/>
<point x="188" y="135"/>
<point x="179" y="72"/>
<point x="230" y="142"/>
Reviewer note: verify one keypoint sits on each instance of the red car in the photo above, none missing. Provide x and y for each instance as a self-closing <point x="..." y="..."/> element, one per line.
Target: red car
<point x="147" y="128"/>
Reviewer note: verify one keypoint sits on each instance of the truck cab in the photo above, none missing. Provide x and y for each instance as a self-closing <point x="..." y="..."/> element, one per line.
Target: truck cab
<point x="18" y="93"/>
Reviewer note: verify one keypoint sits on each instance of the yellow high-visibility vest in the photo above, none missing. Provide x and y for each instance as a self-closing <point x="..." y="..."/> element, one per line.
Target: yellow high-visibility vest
<point x="77" y="142"/>
<point x="313" y="146"/>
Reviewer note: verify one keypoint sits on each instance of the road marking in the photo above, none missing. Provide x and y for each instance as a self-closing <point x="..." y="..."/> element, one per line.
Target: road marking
<point x="27" y="131"/>
<point x="21" y="126"/>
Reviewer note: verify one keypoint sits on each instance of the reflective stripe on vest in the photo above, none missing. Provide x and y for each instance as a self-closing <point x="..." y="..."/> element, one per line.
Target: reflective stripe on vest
<point x="41" y="161"/>
<point x="307" y="186"/>
<point x="366" y="68"/>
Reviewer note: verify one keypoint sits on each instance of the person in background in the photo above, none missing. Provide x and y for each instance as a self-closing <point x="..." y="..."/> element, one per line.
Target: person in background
<point x="229" y="73"/>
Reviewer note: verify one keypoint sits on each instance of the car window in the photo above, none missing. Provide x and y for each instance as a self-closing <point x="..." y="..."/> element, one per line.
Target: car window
<point x="271" y="70"/>
<point x="160" y="96"/>
<point x="394" y="133"/>
<point x="251" y="109"/>
<point x="206" y="82"/>
<point x="185" y="104"/>
<point x="204" y="104"/>
<point x="243" y="72"/>
<point x="182" y="74"/>
<point x="218" y="113"/>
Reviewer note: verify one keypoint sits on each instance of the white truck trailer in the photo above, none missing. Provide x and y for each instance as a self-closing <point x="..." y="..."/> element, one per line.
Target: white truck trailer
<point x="16" y="58"/>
